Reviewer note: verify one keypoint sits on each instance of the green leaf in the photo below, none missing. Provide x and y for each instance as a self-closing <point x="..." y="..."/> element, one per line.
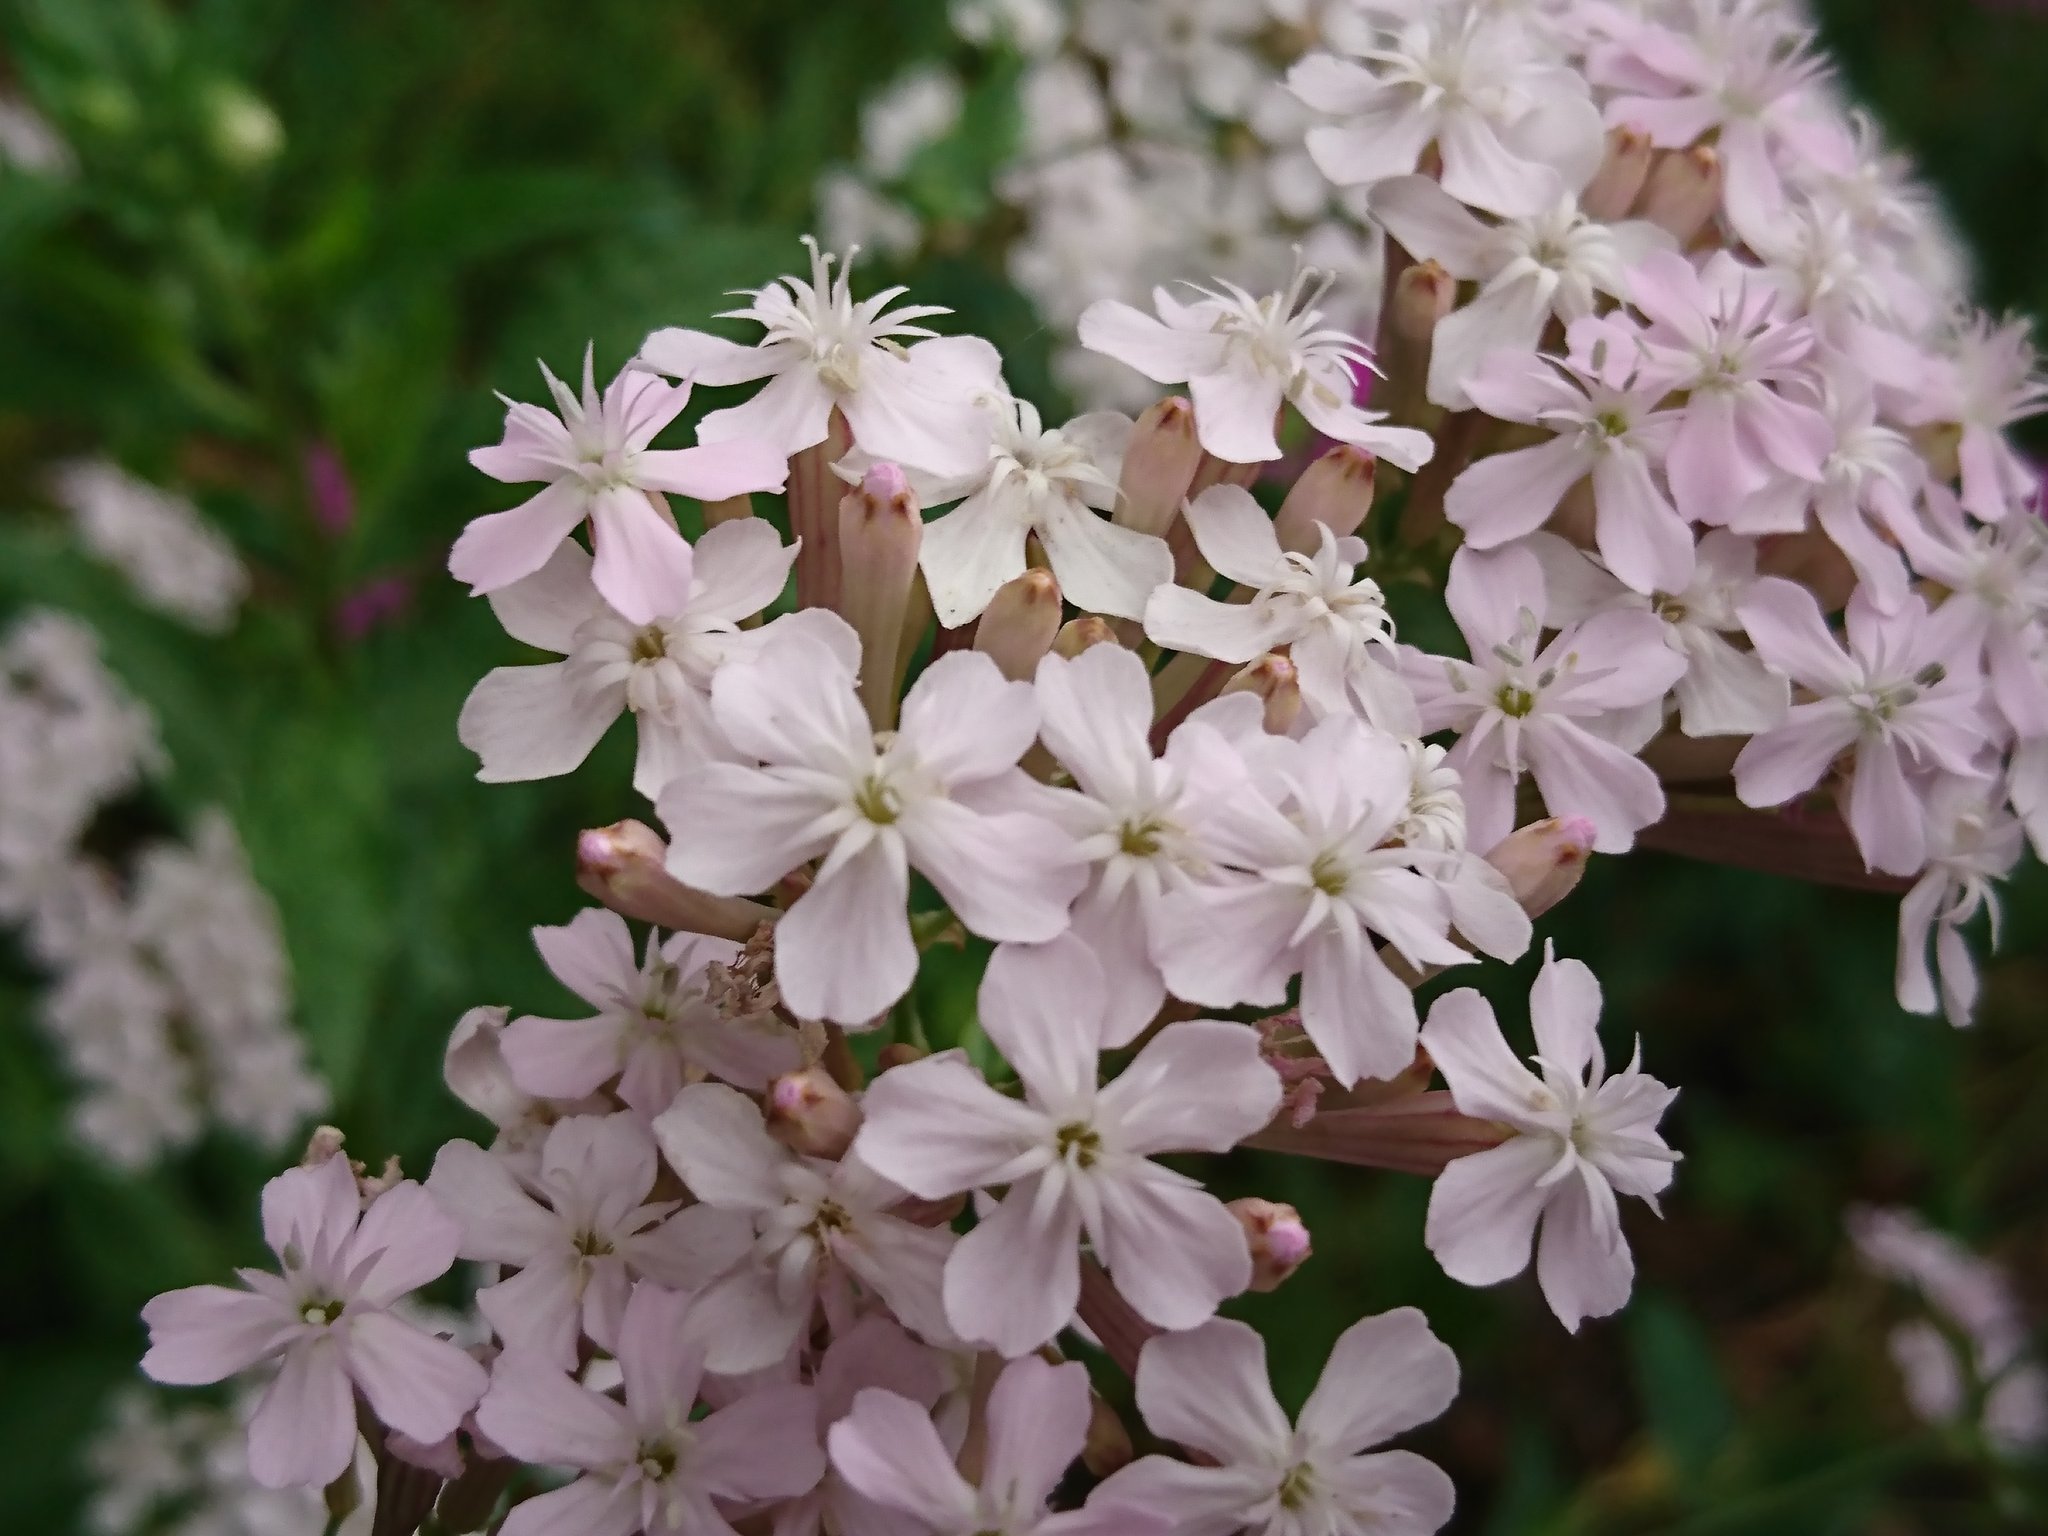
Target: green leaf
<point x="1683" y="1395"/>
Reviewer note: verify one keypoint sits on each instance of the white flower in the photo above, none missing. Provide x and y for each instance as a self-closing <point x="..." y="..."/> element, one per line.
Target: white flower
<point x="1206" y="1389"/>
<point x="536" y="722"/>
<point x="1316" y="883"/>
<point x="1581" y="1137"/>
<point x="811" y="1230"/>
<point x="1076" y="1157"/>
<point x="873" y="807"/>
<point x="1242" y="357"/>
<point x="178" y="562"/>
<point x="1514" y="128"/>
<point x="1551" y="264"/>
<point x="822" y="352"/>
<point x="1047" y="483"/>
<point x="1972" y="840"/>
<point x="594" y="453"/>
<point x="1333" y="621"/>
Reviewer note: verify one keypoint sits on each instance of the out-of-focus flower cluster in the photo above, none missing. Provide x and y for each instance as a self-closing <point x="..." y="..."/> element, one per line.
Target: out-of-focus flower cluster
<point x="176" y="561"/>
<point x="168" y="994"/>
<point x="1103" y="817"/>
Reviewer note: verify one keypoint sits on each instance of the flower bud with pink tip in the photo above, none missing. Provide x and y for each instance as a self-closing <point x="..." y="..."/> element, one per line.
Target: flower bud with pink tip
<point x="1278" y="1238"/>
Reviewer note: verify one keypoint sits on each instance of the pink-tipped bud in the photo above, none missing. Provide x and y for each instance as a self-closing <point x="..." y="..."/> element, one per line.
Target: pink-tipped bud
<point x="1544" y="861"/>
<point x="1159" y="466"/>
<point x="1108" y="1447"/>
<point x="1076" y="635"/>
<point x="1019" y="624"/>
<point x="1276" y="680"/>
<point x="1613" y="189"/>
<point x="1423" y="295"/>
<point x="879" y="534"/>
<point x="730" y="510"/>
<point x="810" y="1113"/>
<point x="1278" y="1239"/>
<point x="1683" y="191"/>
<point x="1335" y="492"/>
<point x="624" y="866"/>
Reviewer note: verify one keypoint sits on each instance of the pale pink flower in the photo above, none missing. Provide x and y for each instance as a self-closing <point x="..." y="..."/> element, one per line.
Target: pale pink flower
<point x="580" y="1229"/>
<point x="1723" y="334"/>
<point x="1047" y="483"/>
<point x="1552" y="264"/>
<point x="813" y="1233"/>
<point x="1988" y="379"/>
<point x="1972" y="841"/>
<point x="536" y="722"/>
<point x="1139" y="821"/>
<point x="1581" y="1137"/>
<point x="1738" y="70"/>
<point x="328" y="1321"/>
<point x="822" y="351"/>
<point x="1906" y="695"/>
<point x="1997" y="581"/>
<point x="1604" y="412"/>
<point x="1206" y="1389"/>
<point x="646" y="1464"/>
<point x="1243" y="357"/>
<point x="1521" y="705"/>
<point x="1725" y="691"/>
<point x="1514" y="128"/>
<point x="1076" y="1156"/>
<point x="874" y="1354"/>
<point x="887" y="1450"/>
<point x="1316" y="882"/>
<point x="1868" y="482"/>
<point x="593" y="453"/>
<point x="1332" y="620"/>
<point x="873" y="807"/>
<point x="654" y="1028"/>
<point x="474" y="1068"/>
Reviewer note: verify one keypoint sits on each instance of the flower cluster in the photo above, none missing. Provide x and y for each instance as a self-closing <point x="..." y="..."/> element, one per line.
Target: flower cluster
<point x="168" y="995"/>
<point x="1045" y="802"/>
<point x="177" y="562"/>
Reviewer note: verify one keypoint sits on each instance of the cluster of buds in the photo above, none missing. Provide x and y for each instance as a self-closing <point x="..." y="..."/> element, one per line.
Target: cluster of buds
<point x="800" y="1222"/>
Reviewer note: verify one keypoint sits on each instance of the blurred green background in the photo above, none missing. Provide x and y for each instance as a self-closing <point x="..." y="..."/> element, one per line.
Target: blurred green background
<point x="300" y="226"/>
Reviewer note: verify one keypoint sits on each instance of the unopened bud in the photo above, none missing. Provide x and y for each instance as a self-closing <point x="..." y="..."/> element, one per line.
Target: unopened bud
<point x="815" y="492"/>
<point x="1335" y="492"/>
<point x="624" y="866"/>
<point x="1159" y="465"/>
<point x="810" y="1113"/>
<point x="1420" y="1133"/>
<point x="1076" y="635"/>
<point x="1019" y="624"/>
<point x="1544" y="861"/>
<point x="1278" y="1237"/>
<point x="1613" y="189"/>
<point x="1276" y="680"/>
<point x="1683" y="191"/>
<point x="1423" y="295"/>
<point x="731" y="510"/>
<point x="1108" y="1447"/>
<point x="879" y="534"/>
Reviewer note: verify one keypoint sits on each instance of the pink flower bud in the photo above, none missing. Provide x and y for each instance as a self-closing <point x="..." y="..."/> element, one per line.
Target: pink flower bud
<point x="623" y="866"/>
<point x="1159" y="466"/>
<point x="1420" y="1133"/>
<point x="1614" y="187"/>
<point x="1544" y="861"/>
<point x="1334" y="492"/>
<point x="814" y="497"/>
<point x="1020" y="623"/>
<point x="1278" y="1237"/>
<point x="1683" y="191"/>
<point x="1076" y="635"/>
<point x="1274" y="679"/>
<point x="810" y="1113"/>
<point x="879" y="534"/>
<point x="1423" y="295"/>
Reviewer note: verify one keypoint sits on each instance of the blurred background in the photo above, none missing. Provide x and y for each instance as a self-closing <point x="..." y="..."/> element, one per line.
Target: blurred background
<point x="277" y="254"/>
